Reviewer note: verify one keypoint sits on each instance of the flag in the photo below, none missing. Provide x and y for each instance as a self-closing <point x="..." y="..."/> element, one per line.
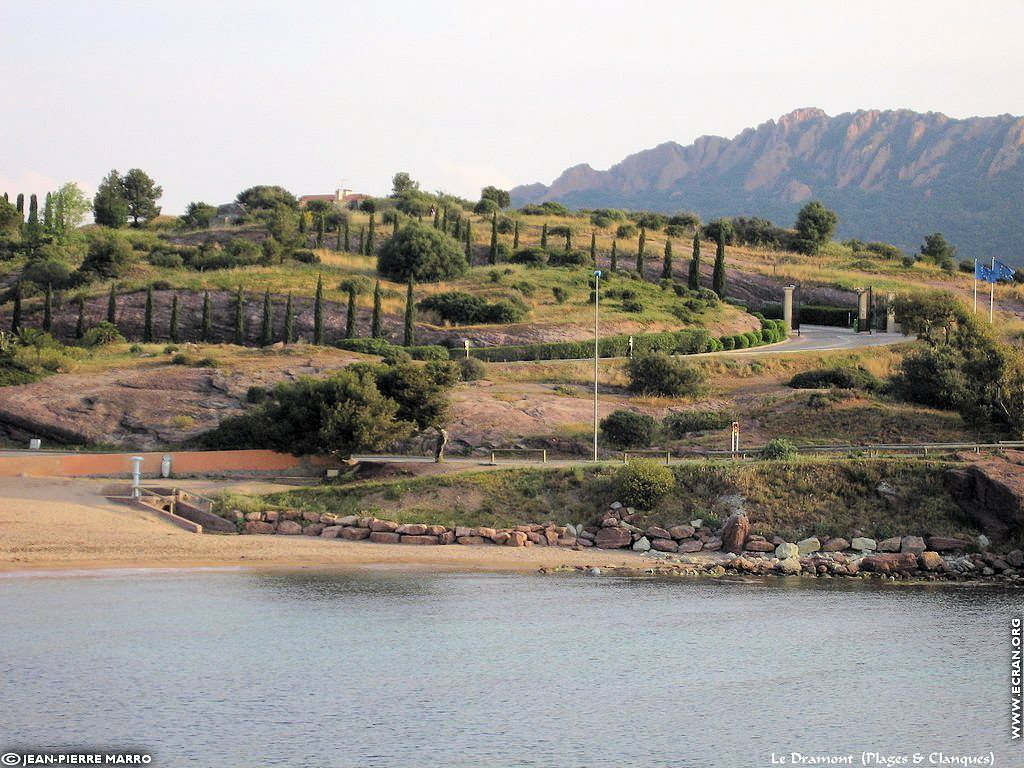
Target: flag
<point x="1002" y="272"/>
<point x="983" y="273"/>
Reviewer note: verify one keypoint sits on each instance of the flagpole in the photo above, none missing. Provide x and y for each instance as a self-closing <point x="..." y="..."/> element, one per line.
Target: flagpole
<point x="975" y="286"/>
<point x="992" y="295"/>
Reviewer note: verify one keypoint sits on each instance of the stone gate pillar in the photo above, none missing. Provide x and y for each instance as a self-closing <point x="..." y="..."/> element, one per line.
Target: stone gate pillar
<point x="890" y="313"/>
<point x="787" y="306"/>
<point x="862" y="310"/>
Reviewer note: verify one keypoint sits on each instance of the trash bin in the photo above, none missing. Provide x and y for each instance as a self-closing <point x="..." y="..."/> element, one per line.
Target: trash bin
<point x="856" y="325"/>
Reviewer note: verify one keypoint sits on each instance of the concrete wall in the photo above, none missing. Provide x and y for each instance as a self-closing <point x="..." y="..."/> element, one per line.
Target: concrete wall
<point x="183" y="463"/>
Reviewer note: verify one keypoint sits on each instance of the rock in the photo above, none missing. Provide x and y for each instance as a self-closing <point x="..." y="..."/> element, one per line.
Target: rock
<point x="891" y="544"/>
<point x="363" y="522"/>
<point x="385" y="537"/>
<point x="698" y="523"/>
<point x="787" y="551"/>
<point x="613" y="538"/>
<point x="271" y="515"/>
<point x="610" y="522"/>
<point x="516" y="539"/>
<point x="615" y="505"/>
<point x="412" y="529"/>
<point x="1015" y="558"/>
<point x="289" y="528"/>
<point x="536" y="538"/>
<point x="863" y="543"/>
<point x="691" y="545"/>
<point x="254" y="517"/>
<point x="886" y="490"/>
<point x="572" y="530"/>
<point x="713" y="544"/>
<point x="913" y="544"/>
<point x="735" y="532"/>
<point x="258" y="526"/>
<point x="349" y="520"/>
<point x="654" y="532"/>
<point x="329" y="518"/>
<point x="664" y="545"/>
<point x="470" y="540"/>
<point x="947" y="544"/>
<point x="551" y="537"/>
<point x="788" y="565"/>
<point x="435" y="530"/>
<point x="889" y="562"/>
<point x="421" y="539"/>
<point x="585" y="542"/>
<point x="311" y="517"/>
<point x="485" y="532"/>
<point x="462" y="531"/>
<point x="383" y="526"/>
<point x="991" y="492"/>
<point x="313" y="529"/>
<point x="837" y="544"/>
<point x="759" y="546"/>
<point x="809" y="545"/>
<point x="330" y="532"/>
<point x="355" y="534"/>
<point x="566" y="541"/>
<point x="446" y="537"/>
<point x="681" y="531"/>
<point x="930" y="561"/>
<point x="983" y="541"/>
<point x="500" y="537"/>
<point x="642" y="544"/>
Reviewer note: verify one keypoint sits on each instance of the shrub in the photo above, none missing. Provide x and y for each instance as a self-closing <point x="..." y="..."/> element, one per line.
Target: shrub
<point x="460" y="307"/>
<point x="822" y="314"/>
<point x="45" y="272"/>
<point x="559" y="293"/>
<point x="840" y="378"/>
<point x="428" y="352"/>
<point x="739" y="341"/>
<point x="471" y="369"/>
<point x="305" y="256"/>
<point x="627" y="429"/>
<point x="728" y="342"/>
<point x="632" y="305"/>
<point x="568" y="258"/>
<point x="525" y="288"/>
<point x="109" y="255"/>
<point x="423" y="253"/>
<point x="548" y="208"/>
<point x="779" y="448"/>
<point x="686" y="342"/>
<point x="181" y="359"/>
<point x="626" y="231"/>
<point x="679" y="423"/>
<point x="643" y="484"/>
<point x="530" y="256"/>
<point x="255" y="394"/>
<point x="656" y="373"/>
<point x="366" y="346"/>
<point x="102" y="334"/>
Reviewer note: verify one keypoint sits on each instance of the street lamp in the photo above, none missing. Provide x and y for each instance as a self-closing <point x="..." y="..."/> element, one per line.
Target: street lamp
<point x="597" y="296"/>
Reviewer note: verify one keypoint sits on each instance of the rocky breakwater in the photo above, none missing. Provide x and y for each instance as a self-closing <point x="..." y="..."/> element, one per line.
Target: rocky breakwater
<point x="617" y="531"/>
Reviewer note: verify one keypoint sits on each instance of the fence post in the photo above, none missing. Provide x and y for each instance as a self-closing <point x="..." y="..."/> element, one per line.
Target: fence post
<point x="544" y="459"/>
<point x="493" y="462"/>
<point x="625" y="457"/>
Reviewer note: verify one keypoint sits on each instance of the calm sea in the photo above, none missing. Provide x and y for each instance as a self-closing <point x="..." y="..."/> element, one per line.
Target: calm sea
<point x="398" y="668"/>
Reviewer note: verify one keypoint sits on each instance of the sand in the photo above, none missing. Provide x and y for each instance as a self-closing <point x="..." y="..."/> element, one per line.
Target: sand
<point x="61" y="524"/>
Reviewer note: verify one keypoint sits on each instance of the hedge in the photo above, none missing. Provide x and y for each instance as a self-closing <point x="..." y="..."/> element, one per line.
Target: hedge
<point x="686" y="342"/>
<point x="822" y="314"/>
<point x="383" y="347"/>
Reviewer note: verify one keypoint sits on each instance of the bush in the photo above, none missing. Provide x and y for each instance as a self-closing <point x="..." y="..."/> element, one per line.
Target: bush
<point x="471" y="369"/>
<point x="428" y="352"/>
<point x="548" y="208"/>
<point x="687" y="342"/>
<point x="304" y="256"/>
<point x="822" y="314"/>
<point x="728" y="343"/>
<point x="625" y="231"/>
<point x="780" y="449"/>
<point x="102" y="334"/>
<point x="680" y="423"/>
<point x="255" y="394"/>
<point x="532" y="257"/>
<point x="423" y="253"/>
<point x="568" y="258"/>
<point x="559" y="294"/>
<point x="459" y="307"/>
<point x="632" y="305"/>
<point x="656" y="373"/>
<point x="739" y="341"/>
<point x="366" y="346"/>
<point x="627" y="429"/>
<point x="109" y="255"/>
<point x="45" y="272"/>
<point x="643" y="484"/>
<point x="840" y="378"/>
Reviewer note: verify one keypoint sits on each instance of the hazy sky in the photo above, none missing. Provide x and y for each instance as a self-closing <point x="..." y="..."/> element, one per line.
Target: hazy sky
<point x="211" y="97"/>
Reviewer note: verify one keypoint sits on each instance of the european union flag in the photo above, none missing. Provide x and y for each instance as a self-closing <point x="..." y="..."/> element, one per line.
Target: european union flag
<point x="983" y="273"/>
<point x="1003" y="272"/>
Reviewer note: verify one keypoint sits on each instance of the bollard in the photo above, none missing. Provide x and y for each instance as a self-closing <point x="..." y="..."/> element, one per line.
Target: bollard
<point x="165" y="465"/>
<point x="34" y="444"/>
<point x="136" y="476"/>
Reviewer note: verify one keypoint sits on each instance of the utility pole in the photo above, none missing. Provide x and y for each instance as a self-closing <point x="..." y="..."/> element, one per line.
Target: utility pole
<point x="597" y="299"/>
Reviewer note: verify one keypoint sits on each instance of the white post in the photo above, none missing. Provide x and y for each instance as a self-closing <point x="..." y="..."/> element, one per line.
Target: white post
<point x="136" y="476"/>
<point x="597" y="298"/>
<point x="787" y="306"/>
<point x="992" y="295"/>
<point x="734" y="444"/>
<point x="975" y="286"/>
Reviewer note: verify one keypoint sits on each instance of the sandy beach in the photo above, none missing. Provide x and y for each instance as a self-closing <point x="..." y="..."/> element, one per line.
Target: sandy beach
<point x="64" y="524"/>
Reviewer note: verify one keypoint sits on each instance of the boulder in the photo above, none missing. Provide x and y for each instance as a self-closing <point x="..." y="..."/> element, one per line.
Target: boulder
<point x="314" y="529"/>
<point x="787" y="551"/>
<point x="355" y="534"/>
<point x="566" y="541"/>
<point x="947" y="544"/>
<point x="664" y="545"/>
<point x="991" y="492"/>
<point x="759" y="546"/>
<point x="348" y="520"/>
<point x="551" y="537"/>
<point x="446" y="537"/>
<point x="462" y="531"/>
<point x="642" y="544"/>
<point x="681" y="531"/>
<point x="585" y="542"/>
<point x="436" y="530"/>
<point x="271" y="515"/>
<point x="470" y="540"/>
<point x="385" y="537"/>
<point x="516" y="539"/>
<point x="713" y="544"/>
<point x="412" y="529"/>
<point x="289" y="528"/>
<point x="788" y="565"/>
<point x="538" y="538"/>
<point x="889" y="562"/>
<point x="1015" y="558"/>
<point x="383" y="526"/>
<point x="983" y="541"/>
<point x="610" y="522"/>
<point x="930" y="561"/>
<point x="837" y="544"/>
<point x="418" y="538"/>
<point x="258" y="526"/>
<point x="613" y="538"/>
<point x="254" y="517"/>
<point x="329" y="518"/>
<point x="654" y="532"/>
<point x="331" y="532"/>
<point x="913" y="544"/>
<point x="735" y="532"/>
<point x="863" y="543"/>
<point x="501" y="537"/>
<point x="809" y="545"/>
<point x="690" y="545"/>
<point x="697" y="523"/>
<point x="311" y="517"/>
<point x="485" y="532"/>
<point x="892" y="544"/>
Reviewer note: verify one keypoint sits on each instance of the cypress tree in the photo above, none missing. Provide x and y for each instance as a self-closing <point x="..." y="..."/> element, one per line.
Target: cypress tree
<point x="492" y="255"/>
<point x="718" y="275"/>
<point x="347" y="248"/>
<point x="641" y="245"/>
<point x="469" y="241"/>
<point x="362" y="239"/>
<point x="240" y="317"/>
<point x="515" y="236"/>
<point x="614" y="265"/>
<point x="593" y="247"/>
<point x="444" y="220"/>
<point x="206" y="329"/>
<point x="568" y="239"/>
<point x="48" y="309"/>
<point x="437" y="219"/>
<point x="174" y="318"/>
<point x="410" y="317"/>
<point x="147" y="320"/>
<point x="666" y="267"/>
<point x="693" y="278"/>
<point x="337" y="239"/>
<point x="289" y="321"/>
<point x="371" y="234"/>
<point x="544" y="235"/>
<point x="350" y="317"/>
<point x="320" y="230"/>
<point x="394" y="225"/>
<point x="302" y="223"/>
<point x="112" y="306"/>
<point x="48" y="213"/>
<point x="20" y="204"/>
<point x="267" y="327"/>
<point x="375" y="322"/>
<point x="33" y="211"/>
<point x="318" y="312"/>
<point x="80" y="325"/>
<point x="16" y="312"/>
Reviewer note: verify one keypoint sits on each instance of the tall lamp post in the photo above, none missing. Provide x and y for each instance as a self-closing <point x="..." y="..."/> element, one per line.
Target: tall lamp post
<point x="597" y="301"/>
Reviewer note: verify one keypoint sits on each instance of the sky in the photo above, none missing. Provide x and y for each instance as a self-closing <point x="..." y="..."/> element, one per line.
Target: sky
<point x="212" y="97"/>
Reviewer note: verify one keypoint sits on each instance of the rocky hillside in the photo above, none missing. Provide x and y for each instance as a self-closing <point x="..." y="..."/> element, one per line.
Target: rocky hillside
<point x="892" y="175"/>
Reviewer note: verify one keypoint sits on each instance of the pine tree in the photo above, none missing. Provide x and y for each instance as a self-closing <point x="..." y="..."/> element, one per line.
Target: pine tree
<point x="593" y="248"/>
<point x="375" y="322"/>
<point x="240" y="317"/>
<point x="112" y="306"/>
<point x="80" y="325"/>
<point x="693" y="277"/>
<point x="267" y="326"/>
<point x="544" y="236"/>
<point x="350" y="317"/>
<point x="469" y="241"/>
<point x="347" y="244"/>
<point x="206" y="329"/>
<point x="16" y="312"/>
<point x="614" y="265"/>
<point x="147" y="319"/>
<point x="410" y="317"/>
<point x="318" y="312"/>
<point x="174" y="319"/>
<point x="515" y="236"/>
<point x="666" y="267"/>
<point x="289" y="321"/>
<point x="641" y="245"/>
<point x="48" y="309"/>
<point x="492" y="254"/>
<point x="718" y="275"/>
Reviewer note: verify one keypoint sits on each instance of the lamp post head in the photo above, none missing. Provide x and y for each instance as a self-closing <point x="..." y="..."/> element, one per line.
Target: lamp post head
<point x="597" y="273"/>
